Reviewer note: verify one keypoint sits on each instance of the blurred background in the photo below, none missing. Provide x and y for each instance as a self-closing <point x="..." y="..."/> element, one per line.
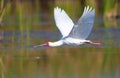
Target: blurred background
<point x="25" y="23"/>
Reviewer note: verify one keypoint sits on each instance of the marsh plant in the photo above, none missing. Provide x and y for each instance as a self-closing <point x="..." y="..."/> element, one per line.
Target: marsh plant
<point x="3" y="10"/>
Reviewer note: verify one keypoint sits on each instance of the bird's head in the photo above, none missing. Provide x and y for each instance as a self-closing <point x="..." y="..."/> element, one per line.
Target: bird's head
<point x="47" y="44"/>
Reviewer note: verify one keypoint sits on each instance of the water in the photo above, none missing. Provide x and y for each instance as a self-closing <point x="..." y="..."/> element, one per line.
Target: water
<point x="63" y="63"/>
<point x="109" y="37"/>
<point x="18" y="58"/>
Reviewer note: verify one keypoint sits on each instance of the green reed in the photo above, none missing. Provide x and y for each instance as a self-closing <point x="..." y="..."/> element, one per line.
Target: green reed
<point x="74" y="12"/>
<point x="108" y="5"/>
<point x="19" y="9"/>
<point x="3" y="10"/>
<point x="2" y="69"/>
<point x="23" y="28"/>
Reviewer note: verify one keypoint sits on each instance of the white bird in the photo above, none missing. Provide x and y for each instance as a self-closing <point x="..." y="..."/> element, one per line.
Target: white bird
<point x="73" y="34"/>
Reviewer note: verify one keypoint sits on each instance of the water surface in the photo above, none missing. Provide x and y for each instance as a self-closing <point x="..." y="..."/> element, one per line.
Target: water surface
<point x="18" y="58"/>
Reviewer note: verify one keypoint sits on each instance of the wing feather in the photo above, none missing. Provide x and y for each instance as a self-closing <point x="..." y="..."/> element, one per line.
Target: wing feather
<point x="63" y="21"/>
<point x="84" y="25"/>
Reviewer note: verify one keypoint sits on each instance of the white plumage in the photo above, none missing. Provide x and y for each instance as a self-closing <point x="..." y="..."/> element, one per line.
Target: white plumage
<point x="73" y="34"/>
<point x="82" y="29"/>
<point x="63" y="21"/>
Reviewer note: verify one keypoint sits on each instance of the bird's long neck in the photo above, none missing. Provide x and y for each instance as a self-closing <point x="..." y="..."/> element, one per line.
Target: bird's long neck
<point x="55" y="44"/>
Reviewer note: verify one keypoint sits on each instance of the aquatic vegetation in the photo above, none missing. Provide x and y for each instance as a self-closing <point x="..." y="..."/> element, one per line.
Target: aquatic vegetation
<point x="30" y="22"/>
<point x="3" y="10"/>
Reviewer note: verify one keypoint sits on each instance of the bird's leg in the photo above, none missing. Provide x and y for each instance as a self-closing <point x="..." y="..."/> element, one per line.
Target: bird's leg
<point x="94" y="43"/>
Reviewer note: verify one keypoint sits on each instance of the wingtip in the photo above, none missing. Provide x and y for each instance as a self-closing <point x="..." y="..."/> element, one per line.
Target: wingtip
<point x="55" y="7"/>
<point x="58" y="9"/>
<point x="88" y="9"/>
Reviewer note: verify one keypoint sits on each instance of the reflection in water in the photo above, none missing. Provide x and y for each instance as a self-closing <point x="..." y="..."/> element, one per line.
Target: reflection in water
<point x="63" y="62"/>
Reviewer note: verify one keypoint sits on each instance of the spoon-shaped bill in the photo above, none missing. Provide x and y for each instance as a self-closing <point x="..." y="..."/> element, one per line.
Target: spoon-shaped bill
<point x="39" y="45"/>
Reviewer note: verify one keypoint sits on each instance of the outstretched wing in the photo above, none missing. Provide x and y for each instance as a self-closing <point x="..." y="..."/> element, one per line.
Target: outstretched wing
<point x="63" y="22"/>
<point x="84" y="25"/>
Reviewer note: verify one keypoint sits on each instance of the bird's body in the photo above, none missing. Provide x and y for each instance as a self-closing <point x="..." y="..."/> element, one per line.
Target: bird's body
<point x="67" y="41"/>
<point x="73" y="41"/>
<point x="73" y="34"/>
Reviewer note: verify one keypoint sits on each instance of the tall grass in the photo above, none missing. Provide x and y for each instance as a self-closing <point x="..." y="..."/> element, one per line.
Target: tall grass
<point x="109" y="4"/>
<point x="19" y="9"/>
<point x="3" y="10"/>
<point x="2" y="68"/>
<point x="73" y="8"/>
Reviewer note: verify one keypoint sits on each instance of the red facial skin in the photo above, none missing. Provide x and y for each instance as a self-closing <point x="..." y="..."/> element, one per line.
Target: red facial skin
<point x="47" y="44"/>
